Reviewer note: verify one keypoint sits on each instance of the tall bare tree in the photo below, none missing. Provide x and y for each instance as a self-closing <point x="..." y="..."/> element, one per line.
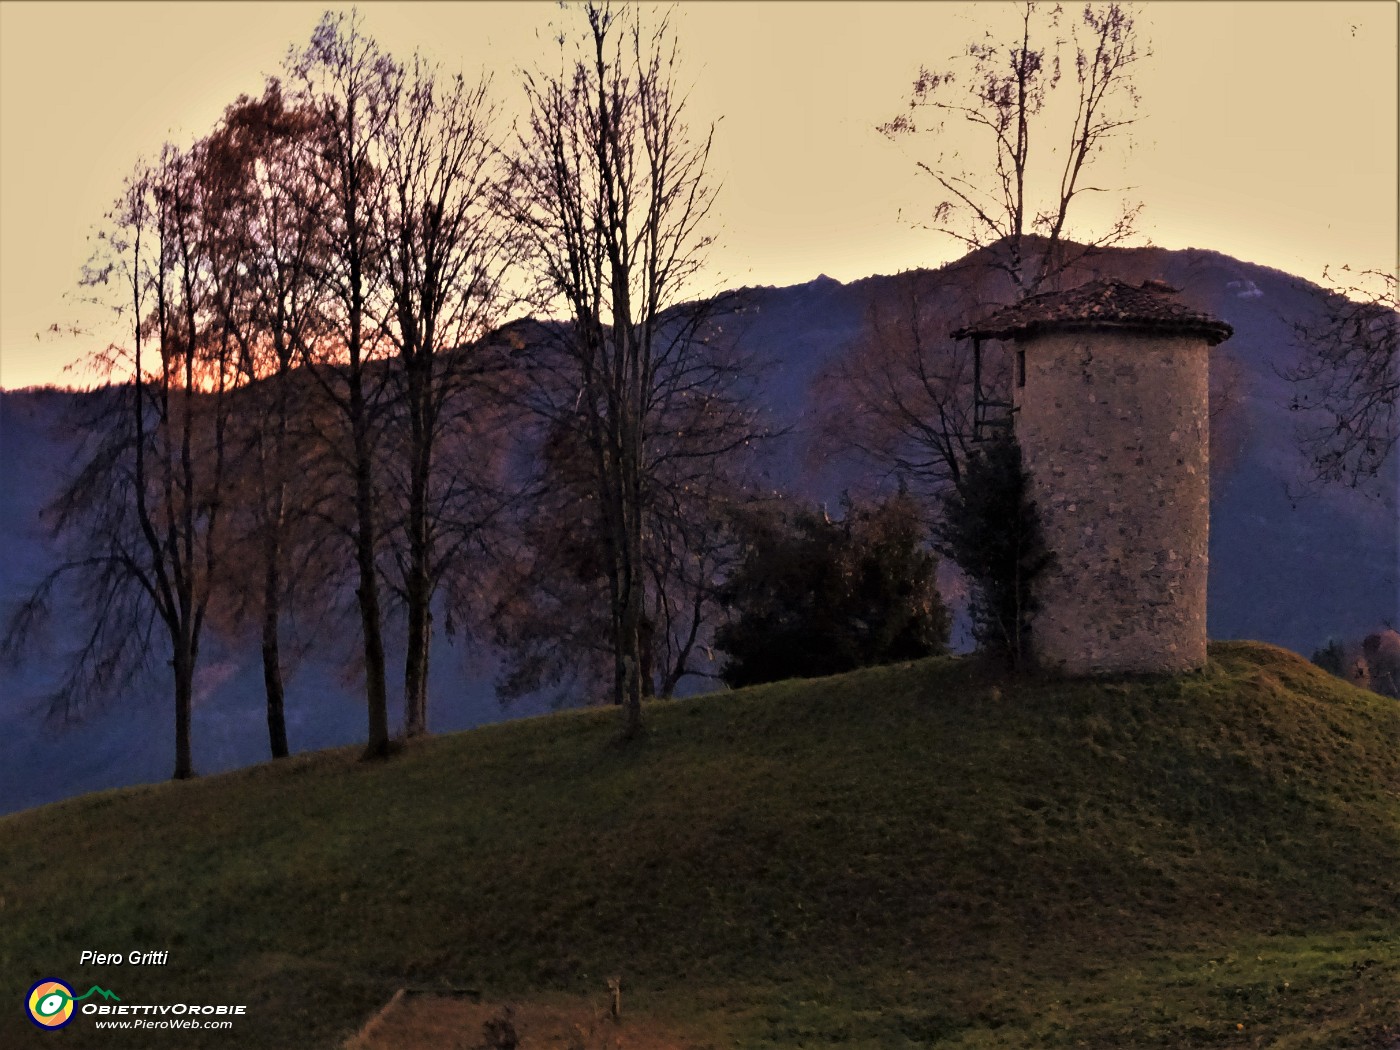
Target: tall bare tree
<point x="1018" y="124"/>
<point x="270" y="225"/>
<point x="446" y="250"/>
<point x="352" y="86"/>
<point x="616" y="193"/>
<point x="1005" y="175"/>
<point x="141" y="521"/>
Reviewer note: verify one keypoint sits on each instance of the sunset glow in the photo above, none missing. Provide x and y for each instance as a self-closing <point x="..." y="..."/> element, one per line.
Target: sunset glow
<point x="1267" y="130"/>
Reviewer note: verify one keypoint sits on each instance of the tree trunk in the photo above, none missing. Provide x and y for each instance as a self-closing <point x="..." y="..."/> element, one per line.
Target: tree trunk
<point x="183" y="665"/>
<point x="376" y="693"/>
<point x="646" y="656"/>
<point x="275" y="509"/>
<point x="631" y="669"/>
<point x="632" y="625"/>
<point x="619" y="656"/>
<point x="418" y="589"/>
<point x="415" y="679"/>
<point x="271" y="653"/>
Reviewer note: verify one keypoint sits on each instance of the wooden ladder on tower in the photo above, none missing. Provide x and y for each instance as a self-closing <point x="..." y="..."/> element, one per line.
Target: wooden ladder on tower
<point x="990" y="417"/>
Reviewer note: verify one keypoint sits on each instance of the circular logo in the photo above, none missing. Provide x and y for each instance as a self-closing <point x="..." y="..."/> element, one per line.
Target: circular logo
<point x="50" y="1004"/>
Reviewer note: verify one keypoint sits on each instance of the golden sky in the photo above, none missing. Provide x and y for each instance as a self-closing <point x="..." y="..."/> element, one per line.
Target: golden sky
<point x="1268" y="129"/>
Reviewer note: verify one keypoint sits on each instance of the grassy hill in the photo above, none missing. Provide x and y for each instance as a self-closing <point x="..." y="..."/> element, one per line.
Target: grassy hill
<point x="920" y="855"/>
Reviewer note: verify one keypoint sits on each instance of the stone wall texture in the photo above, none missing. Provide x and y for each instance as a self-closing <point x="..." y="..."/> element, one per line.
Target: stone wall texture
<point x="1114" y="431"/>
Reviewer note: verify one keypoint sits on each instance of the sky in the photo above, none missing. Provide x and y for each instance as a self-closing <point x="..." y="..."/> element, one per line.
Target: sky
<point x="1267" y="130"/>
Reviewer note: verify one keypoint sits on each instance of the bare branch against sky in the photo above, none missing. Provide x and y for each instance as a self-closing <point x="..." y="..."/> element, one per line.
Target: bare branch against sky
<point x="1268" y="133"/>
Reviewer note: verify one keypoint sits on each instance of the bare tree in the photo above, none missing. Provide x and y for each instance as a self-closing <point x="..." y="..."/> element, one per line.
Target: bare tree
<point x="141" y="520"/>
<point x="445" y="254"/>
<point x="551" y="614"/>
<point x="900" y="396"/>
<point x="352" y="86"/>
<point x="270" y="224"/>
<point x="615" y="193"/>
<point x="1001" y="93"/>
<point x="1015" y="150"/>
<point x="1347" y="379"/>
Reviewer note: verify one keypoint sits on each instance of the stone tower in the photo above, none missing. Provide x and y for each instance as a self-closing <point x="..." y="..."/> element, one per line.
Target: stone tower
<point x="1111" y="409"/>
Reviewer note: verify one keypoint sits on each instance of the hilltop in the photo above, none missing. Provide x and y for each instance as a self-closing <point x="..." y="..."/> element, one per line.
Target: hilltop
<point x="924" y="855"/>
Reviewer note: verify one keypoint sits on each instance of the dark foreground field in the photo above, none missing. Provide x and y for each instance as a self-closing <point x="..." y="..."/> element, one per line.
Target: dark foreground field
<point x="921" y="856"/>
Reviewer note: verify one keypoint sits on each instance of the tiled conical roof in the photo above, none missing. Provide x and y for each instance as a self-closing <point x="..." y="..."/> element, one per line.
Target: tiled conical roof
<point x="1150" y="306"/>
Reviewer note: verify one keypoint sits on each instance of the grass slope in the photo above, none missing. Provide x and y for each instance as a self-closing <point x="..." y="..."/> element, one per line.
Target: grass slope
<point x="919" y="855"/>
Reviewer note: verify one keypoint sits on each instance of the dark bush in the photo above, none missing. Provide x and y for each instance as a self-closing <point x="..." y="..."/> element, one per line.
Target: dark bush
<point x="1331" y="658"/>
<point x="813" y="596"/>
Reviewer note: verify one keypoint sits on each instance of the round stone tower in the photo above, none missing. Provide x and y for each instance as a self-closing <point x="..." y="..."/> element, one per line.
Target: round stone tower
<point x="1111" y="409"/>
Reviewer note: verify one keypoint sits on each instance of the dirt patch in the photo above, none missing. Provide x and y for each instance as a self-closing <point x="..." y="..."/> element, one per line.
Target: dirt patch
<point x="426" y="1021"/>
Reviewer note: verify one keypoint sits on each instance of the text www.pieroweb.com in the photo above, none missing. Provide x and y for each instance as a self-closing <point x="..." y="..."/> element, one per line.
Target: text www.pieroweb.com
<point x="186" y="1016"/>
